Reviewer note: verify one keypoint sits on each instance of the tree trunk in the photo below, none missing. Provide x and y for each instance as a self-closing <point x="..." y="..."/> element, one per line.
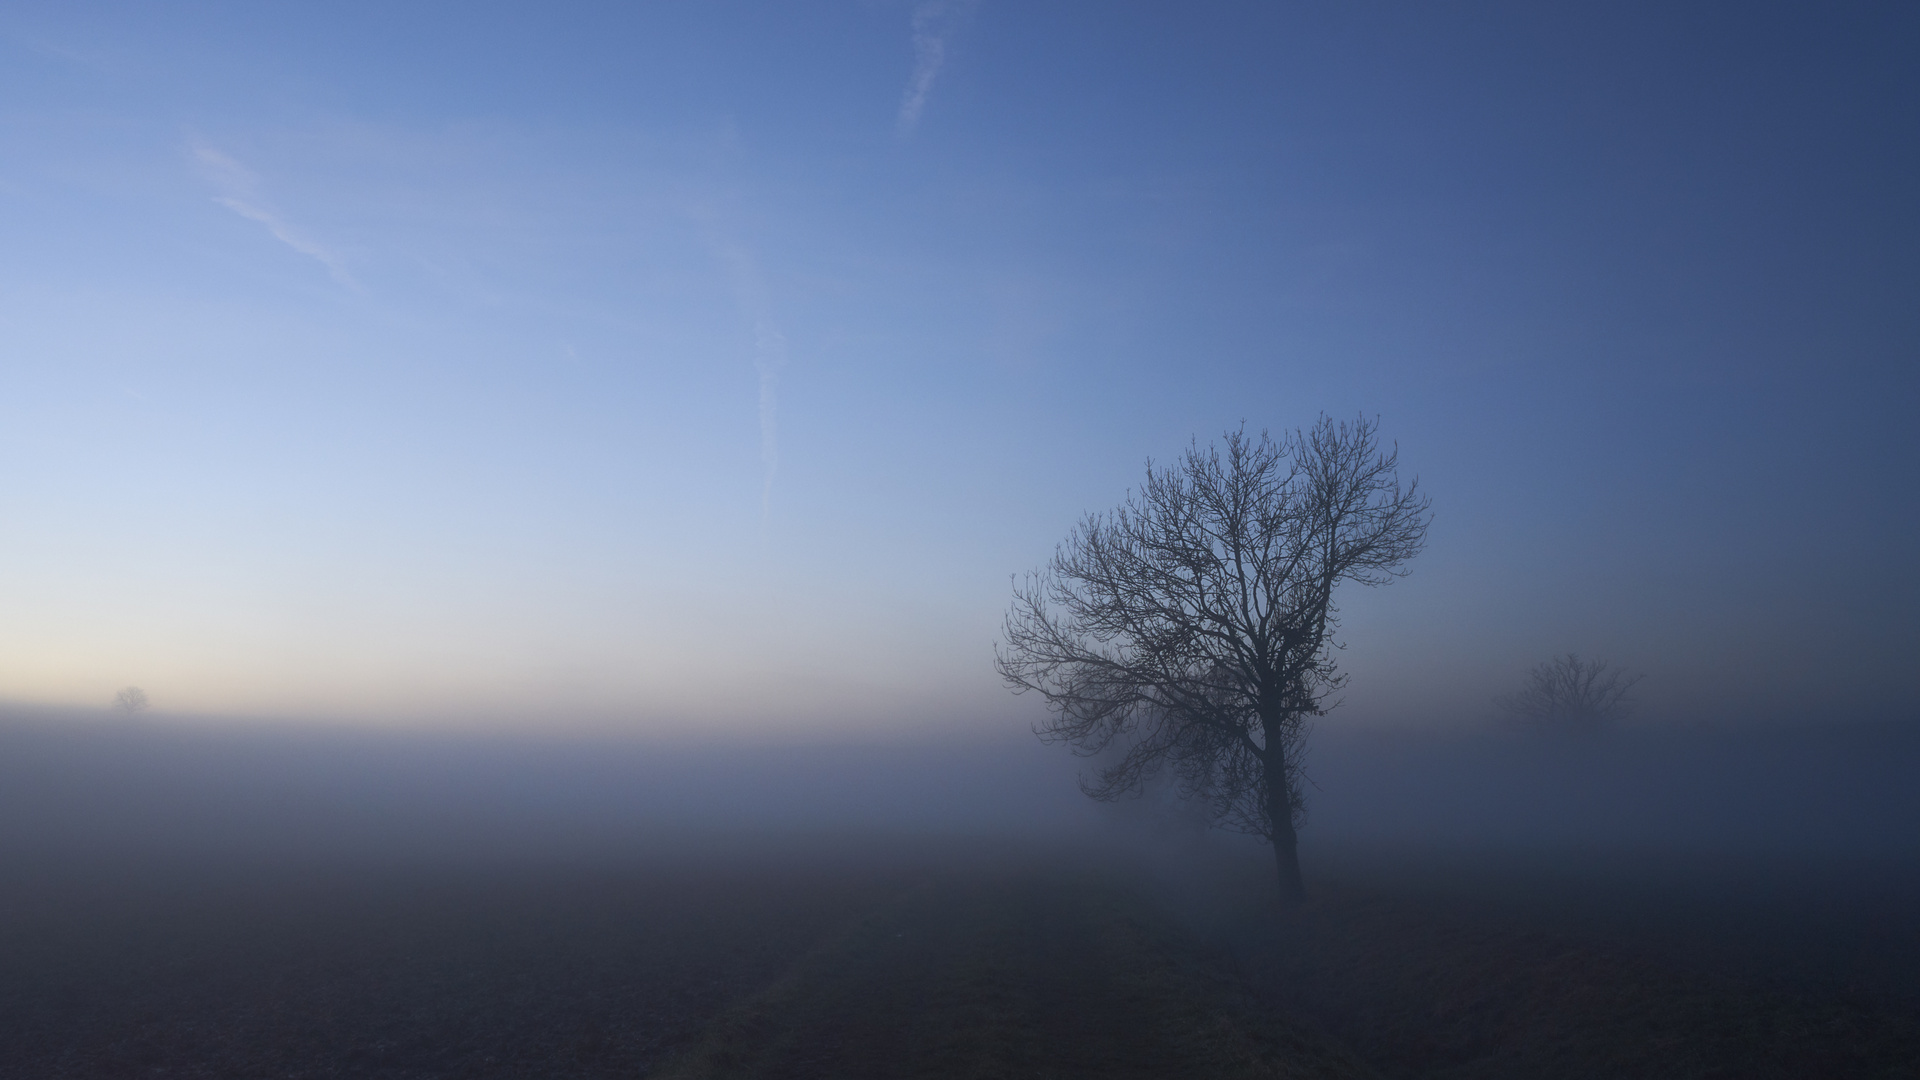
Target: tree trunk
<point x="1286" y="843"/>
<point x="1286" y="859"/>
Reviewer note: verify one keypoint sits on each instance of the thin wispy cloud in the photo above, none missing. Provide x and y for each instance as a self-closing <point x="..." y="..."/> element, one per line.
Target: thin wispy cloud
<point x="933" y="22"/>
<point x="239" y="189"/>
<point x="91" y="61"/>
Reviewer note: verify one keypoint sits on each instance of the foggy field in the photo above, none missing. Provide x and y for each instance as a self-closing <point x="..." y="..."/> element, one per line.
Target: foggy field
<point x="958" y="538"/>
<point x="206" y="903"/>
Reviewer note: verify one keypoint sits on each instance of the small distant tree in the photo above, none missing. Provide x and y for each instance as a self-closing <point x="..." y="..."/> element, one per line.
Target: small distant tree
<point x="1191" y="629"/>
<point x="1569" y="693"/>
<point x="130" y="700"/>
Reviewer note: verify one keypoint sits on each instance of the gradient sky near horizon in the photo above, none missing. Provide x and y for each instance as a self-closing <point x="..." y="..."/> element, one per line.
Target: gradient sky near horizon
<point x="711" y="367"/>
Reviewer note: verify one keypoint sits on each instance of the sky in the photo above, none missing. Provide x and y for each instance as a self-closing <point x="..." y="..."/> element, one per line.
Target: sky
<point x="712" y="368"/>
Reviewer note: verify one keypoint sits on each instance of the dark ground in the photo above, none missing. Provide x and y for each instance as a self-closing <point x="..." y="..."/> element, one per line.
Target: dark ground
<point x="933" y="960"/>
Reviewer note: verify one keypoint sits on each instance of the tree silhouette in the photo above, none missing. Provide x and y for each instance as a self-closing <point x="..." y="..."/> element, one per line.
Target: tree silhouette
<point x="1570" y="693"/>
<point x="1191" y="628"/>
<point x="130" y="700"/>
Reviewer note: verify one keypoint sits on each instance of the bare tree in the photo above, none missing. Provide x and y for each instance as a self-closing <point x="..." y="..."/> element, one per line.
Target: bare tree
<point x="1570" y="693"/>
<point x="1192" y="627"/>
<point x="130" y="700"/>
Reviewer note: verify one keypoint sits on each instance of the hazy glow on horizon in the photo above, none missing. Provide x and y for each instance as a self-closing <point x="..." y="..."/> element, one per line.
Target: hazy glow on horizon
<point x="713" y="368"/>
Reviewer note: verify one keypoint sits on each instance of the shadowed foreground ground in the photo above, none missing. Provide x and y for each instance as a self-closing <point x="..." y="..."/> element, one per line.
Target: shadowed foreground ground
<point x="849" y="963"/>
<point x="1013" y="971"/>
<point x="1420" y="983"/>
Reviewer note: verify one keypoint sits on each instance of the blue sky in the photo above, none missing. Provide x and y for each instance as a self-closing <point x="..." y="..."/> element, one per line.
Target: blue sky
<point x="711" y="367"/>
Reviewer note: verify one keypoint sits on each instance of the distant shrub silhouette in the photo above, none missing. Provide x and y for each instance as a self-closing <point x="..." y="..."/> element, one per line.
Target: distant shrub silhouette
<point x="1569" y="693"/>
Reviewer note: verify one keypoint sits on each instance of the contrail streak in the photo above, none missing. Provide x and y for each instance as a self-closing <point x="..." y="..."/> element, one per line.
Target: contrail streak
<point x="769" y="357"/>
<point x="239" y="194"/>
<point x="932" y="22"/>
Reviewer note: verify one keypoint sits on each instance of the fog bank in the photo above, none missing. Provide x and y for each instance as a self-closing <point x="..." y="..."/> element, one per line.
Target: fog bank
<point x="1834" y="790"/>
<point x="76" y="786"/>
<point x="132" y="789"/>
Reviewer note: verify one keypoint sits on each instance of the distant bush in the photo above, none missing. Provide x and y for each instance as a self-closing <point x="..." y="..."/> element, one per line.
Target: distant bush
<point x="1571" y="693"/>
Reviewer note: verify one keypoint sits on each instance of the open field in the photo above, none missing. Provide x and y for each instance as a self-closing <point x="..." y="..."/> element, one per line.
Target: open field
<point x="888" y="959"/>
<point x="201" y="903"/>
